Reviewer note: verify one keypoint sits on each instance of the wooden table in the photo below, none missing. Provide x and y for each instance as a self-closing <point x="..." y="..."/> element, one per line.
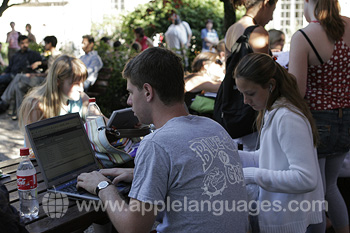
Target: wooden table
<point x="72" y="220"/>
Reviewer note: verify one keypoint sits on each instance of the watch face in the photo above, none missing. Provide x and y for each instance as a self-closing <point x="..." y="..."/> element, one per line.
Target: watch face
<point x="102" y="184"/>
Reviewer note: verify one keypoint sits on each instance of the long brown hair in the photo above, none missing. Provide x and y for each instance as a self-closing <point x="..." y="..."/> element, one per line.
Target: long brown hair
<point x="259" y="68"/>
<point x="49" y="94"/>
<point x="327" y="12"/>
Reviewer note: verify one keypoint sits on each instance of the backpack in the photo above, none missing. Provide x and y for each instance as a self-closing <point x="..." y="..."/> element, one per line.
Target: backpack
<point x="229" y="110"/>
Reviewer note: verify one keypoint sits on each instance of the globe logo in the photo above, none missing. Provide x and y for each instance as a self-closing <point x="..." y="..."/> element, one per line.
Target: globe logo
<point x="55" y="205"/>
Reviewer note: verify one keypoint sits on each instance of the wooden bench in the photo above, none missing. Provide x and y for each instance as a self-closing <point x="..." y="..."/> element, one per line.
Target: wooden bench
<point x="101" y="84"/>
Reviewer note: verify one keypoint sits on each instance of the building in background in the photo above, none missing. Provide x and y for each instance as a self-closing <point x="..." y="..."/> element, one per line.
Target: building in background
<point x="289" y="17"/>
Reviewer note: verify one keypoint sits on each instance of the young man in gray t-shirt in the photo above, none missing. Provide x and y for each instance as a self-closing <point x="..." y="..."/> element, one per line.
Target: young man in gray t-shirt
<point x="187" y="171"/>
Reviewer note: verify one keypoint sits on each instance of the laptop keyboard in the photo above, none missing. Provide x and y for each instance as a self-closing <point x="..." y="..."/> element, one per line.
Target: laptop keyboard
<point x="71" y="187"/>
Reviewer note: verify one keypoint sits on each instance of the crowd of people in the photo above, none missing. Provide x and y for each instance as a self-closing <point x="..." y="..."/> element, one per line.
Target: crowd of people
<point x="28" y="69"/>
<point x="287" y="174"/>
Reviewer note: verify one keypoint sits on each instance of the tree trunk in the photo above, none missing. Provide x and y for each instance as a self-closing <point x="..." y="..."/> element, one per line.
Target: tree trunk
<point x="230" y="14"/>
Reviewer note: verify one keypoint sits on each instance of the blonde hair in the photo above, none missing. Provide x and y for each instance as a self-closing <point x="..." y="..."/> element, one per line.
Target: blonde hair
<point x="259" y="68"/>
<point x="48" y="96"/>
<point x="327" y="13"/>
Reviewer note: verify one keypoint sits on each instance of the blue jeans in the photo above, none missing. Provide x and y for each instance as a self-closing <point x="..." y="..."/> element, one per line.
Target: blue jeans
<point x="5" y="79"/>
<point x="334" y="130"/>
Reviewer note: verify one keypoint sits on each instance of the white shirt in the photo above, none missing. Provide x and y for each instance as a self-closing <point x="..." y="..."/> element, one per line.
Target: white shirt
<point x="286" y="169"/>
<point x="176" y="37"/>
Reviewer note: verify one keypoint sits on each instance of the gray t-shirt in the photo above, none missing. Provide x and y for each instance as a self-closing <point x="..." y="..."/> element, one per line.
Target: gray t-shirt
<point x="190" y="167"/>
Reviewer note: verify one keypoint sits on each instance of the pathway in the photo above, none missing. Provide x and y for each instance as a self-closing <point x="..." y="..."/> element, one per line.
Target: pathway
<point x="11" y="138"/>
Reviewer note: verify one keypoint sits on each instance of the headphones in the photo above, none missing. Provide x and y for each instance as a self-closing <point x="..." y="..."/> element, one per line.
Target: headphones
<point x="270" y="90"/>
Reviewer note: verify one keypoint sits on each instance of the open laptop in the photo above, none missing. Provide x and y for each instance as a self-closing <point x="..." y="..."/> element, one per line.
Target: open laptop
<point x="63" y="151"/>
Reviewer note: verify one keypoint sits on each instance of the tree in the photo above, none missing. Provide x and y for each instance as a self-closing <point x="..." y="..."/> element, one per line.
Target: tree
<point x="5" y="5"/>
<point x="230" y="14"/>
<point x="154" y="17"/>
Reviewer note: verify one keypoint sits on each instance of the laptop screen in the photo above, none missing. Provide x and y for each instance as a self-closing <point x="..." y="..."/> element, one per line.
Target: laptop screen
<point x="62" y="147"/>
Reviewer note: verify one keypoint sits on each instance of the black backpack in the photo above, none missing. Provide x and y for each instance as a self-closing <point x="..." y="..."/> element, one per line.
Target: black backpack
<point x="229" y="110"/>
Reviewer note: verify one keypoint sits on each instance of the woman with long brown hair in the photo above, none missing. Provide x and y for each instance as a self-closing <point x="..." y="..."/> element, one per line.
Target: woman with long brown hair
<point x="62" y="92"/>
<point x="285" y="167"/>
<point x="319" y="58"/>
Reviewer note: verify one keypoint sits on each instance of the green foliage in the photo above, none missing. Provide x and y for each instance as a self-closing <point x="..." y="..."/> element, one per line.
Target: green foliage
<point x="154" y="17"/>
<point x="110" y="27"/>
<point x="240" y="12"/>
<point x="116" y="94"/>
<point x="37" y="47"/>
<point x="2" y="69"/>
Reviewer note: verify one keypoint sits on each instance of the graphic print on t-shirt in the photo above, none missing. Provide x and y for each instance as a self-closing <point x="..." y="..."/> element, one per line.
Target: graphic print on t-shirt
<point x="219" y="165"/>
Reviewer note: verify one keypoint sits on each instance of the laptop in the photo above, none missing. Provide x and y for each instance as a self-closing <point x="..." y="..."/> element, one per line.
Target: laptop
<point x="63" y="151"/>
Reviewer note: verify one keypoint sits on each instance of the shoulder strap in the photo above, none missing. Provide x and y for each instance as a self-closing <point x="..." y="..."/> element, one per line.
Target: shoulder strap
<point x="245" y="36"/>
<point x="312" y="46"/>
<point x="249" y="30"/>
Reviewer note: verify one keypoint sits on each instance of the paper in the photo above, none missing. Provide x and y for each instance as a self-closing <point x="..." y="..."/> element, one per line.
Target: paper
<point x="282" y="58"/>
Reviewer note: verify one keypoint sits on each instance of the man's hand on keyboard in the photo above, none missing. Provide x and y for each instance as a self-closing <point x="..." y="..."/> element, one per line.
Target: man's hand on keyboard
<point x="89" y="181"/>
<point x="120" y="174"/>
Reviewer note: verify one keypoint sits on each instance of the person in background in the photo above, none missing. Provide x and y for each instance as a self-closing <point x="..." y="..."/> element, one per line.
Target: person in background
<point x="285" y="167"/>
<point x="176" y="39"/>
<point x="31" y="37"/>
<point x="258" y="12"/>
<point x="276" y="40"/>
<point x="185" y="31"/>
<point x="12" y="40"/>
<point x="209" y="36"/>
<point x="50" y="52"/>
<point x="62" y="92"/>
<point x="319" y="58"/>
<point x="172" y="171"/>
<point x="207" y="74"/>
<point x="21" y="83"/>
<point x="143" y="40"/>
<point x="21" y="61"/>
<point x="185" y="27"/>
<point x="92" y="61"/>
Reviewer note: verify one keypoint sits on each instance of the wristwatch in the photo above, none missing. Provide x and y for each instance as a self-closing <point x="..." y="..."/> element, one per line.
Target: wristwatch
<point x="102" y="185"/>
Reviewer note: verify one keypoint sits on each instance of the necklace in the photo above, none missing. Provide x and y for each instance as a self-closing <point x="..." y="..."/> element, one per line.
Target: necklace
<point x="314" y="21"/>
<point x="254" y="21"/>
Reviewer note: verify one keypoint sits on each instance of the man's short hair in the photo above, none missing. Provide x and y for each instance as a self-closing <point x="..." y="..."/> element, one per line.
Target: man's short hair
<point x="22" y="38"/>
<point x="89" y="38"/>
<point x="162" y="69"/>
<point x="51" y="39"/>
